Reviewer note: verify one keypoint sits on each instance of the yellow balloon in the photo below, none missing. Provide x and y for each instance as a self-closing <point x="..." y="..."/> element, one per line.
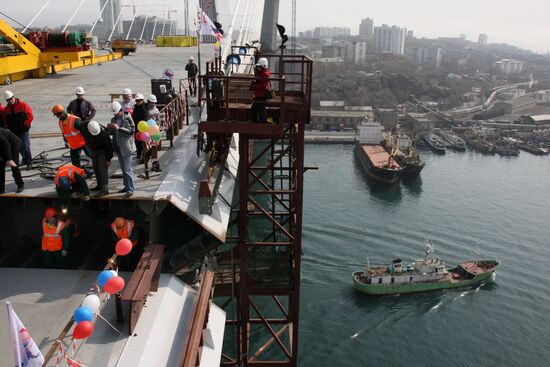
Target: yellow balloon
<point x="143" y="126"/>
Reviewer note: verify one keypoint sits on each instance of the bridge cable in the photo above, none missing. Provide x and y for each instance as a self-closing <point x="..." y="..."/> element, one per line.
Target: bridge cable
<point x="72" y="16"/>
<point x="99" y="16"/>
<point x="36" y="15"/>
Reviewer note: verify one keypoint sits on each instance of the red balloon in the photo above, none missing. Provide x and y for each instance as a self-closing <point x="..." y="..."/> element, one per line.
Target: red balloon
<point x="123" y="247"/>
<point x="114" y="285"/>
<point x="83" y="330"/>
<point x="138" y="136"/>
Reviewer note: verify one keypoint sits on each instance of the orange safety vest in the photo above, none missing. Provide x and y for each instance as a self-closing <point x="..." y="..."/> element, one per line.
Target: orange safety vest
<point x="51" y="239"/>
<point x="68" y="170"/>
<point x="124" y="232"/>
<point x="72" y="135"/>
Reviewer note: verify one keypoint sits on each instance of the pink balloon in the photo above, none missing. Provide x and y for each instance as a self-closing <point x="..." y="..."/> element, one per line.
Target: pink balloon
<point x="153" y="130"/>
<point x="83" y="330"/>
<point x="145" y="136"/>
<point x="123" y="247"/>
<point x="114" y="285"/>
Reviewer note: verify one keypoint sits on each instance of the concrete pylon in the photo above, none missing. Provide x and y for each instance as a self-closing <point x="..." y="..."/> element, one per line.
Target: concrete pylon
<point x="268" y="37"/>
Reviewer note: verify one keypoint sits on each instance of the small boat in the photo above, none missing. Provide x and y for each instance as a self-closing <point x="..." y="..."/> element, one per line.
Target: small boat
<point x="427" y="274"/>
<point x="455" y="141"/>
<point x="435" y="143"/>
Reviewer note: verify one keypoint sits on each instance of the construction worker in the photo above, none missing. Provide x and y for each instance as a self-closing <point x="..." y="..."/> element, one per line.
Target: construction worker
<point x="260" y="87"/>
<point x="71" y="127"/>
<point x="192" y="71"/>
<point x="139" y="114"/>
<point x="128" y="101"/>
<point x="99" y="142"/>
<point x="124" y="228"/>
<point x="122" y="128"/>
<point x="55" y="239"/>
<point x="70" y="183"/>
<point x="17" y="117"/>
<point x="152" y="110"/>
<point x="10" y="145"/>
<point x="81" y="107"/>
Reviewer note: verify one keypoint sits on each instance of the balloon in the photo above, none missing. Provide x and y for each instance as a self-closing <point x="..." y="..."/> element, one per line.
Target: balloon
<point x="123" y="247"/>
<point x="83" y="314"/>
<point x="153" y="130"/>
<point x="114" y="272"/>
<point x="156" y="137"/>
<point x="114" y="285"/>
<point x="83" y="330"/>
<point x="143" y="126"/>
<point x="103" y="277"/>
<point x="151" y="122"/>
<point x="92" y="302"/>
<point x="145" y="137"/>
<point x="138" y="136"/>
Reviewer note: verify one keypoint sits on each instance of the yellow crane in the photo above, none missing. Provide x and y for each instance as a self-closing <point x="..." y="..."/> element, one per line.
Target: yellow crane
<point x="31" y="62"/>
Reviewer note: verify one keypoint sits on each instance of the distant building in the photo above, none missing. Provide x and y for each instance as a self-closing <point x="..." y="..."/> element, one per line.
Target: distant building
<point x="410" y="34"/>
<point x="542" y="96"/>
<point x="109" y="17"/>
<point x="509" y="66"/>
<point x="516" y="104"/>
<point x="335" y="119"/>
<point x="463" y="36"/>
<point x="356" y="52"/>
<point x="430" y="56"/>
<point x="366" y="28"/>
<point x="482" y="40"/>
<point x="390" y="39"/>
<point x="387" y="117"/>
<point x="331" y="32"/>
<point x="420" y="121"/>
<point x="511" y="94"/>
<point x="306" y="34"/>
<point x="537" y="120"/>
<point x="332" y="105"/>
<point x="334" y="51"/>
<point x="328" y="66"/>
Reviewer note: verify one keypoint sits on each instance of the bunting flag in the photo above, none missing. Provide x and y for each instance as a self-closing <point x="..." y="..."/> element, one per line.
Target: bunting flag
<point x="207" y="27"/>
<point x="25" y="350"/>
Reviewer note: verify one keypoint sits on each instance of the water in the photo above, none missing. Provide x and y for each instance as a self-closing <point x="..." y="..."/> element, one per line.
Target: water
<point x="461" y="200"/>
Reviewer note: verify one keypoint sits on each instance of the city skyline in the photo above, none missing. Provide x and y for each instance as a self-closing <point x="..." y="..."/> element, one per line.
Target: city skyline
<point x="524" y="27"/>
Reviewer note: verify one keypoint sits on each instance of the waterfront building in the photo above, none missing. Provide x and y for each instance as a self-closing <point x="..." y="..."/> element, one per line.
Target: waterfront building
<point x="390" y="39"/>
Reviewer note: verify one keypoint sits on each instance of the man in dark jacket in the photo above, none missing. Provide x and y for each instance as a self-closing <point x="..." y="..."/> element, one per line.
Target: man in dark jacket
<point x="139" y="114"/>
<point x="99" y="142"/>
<point x="260" y="86"/>
<point x="10" y="146"/>
<point x="192" y="71"/>
<point x="17" y="117"/>
<point x="81" y="107"/>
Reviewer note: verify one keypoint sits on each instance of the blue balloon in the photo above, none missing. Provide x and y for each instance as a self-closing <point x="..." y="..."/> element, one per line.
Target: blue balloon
<point x="151" y="122"/>
<point x="83" y="313"/>
<point x="104" y="276"/>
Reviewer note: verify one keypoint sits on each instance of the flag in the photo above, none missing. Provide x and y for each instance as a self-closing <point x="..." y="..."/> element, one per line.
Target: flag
<point x="207" y="27"/>
<point x="25" y="350"/>
<point x="73" y="362"/>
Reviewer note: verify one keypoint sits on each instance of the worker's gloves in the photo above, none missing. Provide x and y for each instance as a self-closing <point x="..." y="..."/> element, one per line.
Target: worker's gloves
<point x="63" y="253"/>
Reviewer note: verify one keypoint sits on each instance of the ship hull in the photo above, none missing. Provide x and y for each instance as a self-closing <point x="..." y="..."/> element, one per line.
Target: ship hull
<point x="384" y="289"/>
<point x="436" y="148"/>
<point x="382" y="175"/>
<point x="412" y="170"/>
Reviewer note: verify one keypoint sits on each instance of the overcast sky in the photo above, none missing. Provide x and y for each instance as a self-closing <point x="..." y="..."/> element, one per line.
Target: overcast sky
<point x="525" y="23"/>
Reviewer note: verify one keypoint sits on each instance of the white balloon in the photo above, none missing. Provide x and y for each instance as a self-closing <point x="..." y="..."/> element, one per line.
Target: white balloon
<point x="114" y="272"/>
<point x="92" y="302"/>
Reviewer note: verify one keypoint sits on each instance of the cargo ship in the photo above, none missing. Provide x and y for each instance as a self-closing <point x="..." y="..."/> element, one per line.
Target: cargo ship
<point x="427" y="274"/>
<point x="435" y="143"/>
<point x="401" y="147"/>
<point x="378" y="163"/>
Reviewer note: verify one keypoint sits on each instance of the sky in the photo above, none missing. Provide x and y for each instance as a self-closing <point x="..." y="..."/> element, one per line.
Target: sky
<point x="524" y="24"/>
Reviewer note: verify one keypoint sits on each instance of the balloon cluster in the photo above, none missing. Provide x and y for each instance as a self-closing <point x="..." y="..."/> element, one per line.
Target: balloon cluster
<point x="148" y="130"/>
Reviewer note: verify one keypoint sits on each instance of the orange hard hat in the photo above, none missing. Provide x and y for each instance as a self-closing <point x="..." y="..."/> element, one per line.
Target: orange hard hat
<point x="50" y="213"/>
<point x="120" y="222"/>
<point x="57" y="108"/>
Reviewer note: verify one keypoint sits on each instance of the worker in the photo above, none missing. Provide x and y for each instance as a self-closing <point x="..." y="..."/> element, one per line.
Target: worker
<point x="17" y="116"/>
<point x="99" y="142"/>
<point x="81" y="107"/>
<point x="139" y="114"/>
<point x="152" y="110"/>
<point x="70" y="183"/>
<point x="260" y="86"/>
<point x="10" y="145"/>
<point x="128" y="101"/>
<point x="55" y="239"/>
<point x="192" y="71"/>
<point x="122" y="128"/>
<point x="124" y="228"/>
<point x="71" y="127"/>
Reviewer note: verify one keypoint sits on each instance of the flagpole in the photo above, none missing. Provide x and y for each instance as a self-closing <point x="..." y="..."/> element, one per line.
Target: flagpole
<point x="199" y="41"/>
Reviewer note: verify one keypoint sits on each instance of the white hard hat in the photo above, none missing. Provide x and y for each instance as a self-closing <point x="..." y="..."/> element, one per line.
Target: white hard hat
<point x="152" y="98"/>
<point x="8" y="94"/>
<point x="127" y="91"/>
<point x="262" y="62"/>
<point x="116" y="107"/>
<point x="191" y="58"/>
<point x="94" y="128"/>
<point x="139" y="96"/>
<point x="79" y="90"/>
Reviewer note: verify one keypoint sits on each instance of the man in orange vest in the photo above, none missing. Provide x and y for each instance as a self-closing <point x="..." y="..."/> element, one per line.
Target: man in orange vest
<point x="55" y="239"/>
<point x="124" y="228"/>
<point x="69" y="182"/>
<point x="71" y="127"/>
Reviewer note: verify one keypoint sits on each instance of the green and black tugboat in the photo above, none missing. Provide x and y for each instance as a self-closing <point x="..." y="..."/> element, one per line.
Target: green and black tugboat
<point x="401" y="148"/>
